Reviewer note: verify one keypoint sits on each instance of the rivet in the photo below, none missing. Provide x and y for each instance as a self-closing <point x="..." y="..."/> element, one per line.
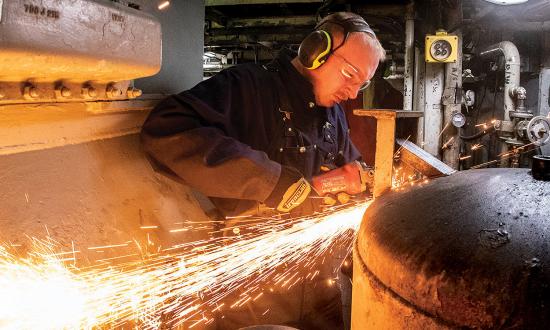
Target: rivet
<point x="290" y="129"/>
<point x="281" y="150"/>
<point x="302" y="149"/>
<point x="311" y="104"/>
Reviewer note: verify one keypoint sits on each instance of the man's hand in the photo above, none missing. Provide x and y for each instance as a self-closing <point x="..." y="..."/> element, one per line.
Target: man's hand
<point x="295" y="195"/>
<point x="290" y="191"/>
<point x="350" y="179"/>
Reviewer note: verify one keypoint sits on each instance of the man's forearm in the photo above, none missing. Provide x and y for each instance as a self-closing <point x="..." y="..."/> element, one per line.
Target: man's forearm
<point x="214" y="164"/>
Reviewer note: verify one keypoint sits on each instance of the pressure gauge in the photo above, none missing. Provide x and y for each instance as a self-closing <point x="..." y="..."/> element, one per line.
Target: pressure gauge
<point x="458" y="119"/>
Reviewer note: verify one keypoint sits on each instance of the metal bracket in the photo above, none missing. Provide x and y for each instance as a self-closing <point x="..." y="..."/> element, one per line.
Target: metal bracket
<point x="385" y="142"/>
<point x="452" y="96"/>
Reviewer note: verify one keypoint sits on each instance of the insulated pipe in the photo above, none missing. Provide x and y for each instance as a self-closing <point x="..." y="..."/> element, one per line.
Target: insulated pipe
<point x="511" y="73"/>
<point x="409" y="60"/>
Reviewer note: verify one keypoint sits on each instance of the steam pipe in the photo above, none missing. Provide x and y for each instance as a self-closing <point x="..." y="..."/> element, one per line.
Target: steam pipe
<point x="511" y="73"/>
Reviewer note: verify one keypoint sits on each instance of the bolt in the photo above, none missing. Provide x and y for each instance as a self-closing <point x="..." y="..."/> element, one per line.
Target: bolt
<point x="134" y="92"/>
<point x="89" y="92"/>
<point x="113" y="92"/>
<point x="64" y="91"/>
<point x="30" y="92"/>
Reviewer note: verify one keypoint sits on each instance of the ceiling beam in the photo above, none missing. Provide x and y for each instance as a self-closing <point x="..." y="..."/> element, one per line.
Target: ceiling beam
<point x="215" y="16"/>
<point x="240" y="39"/>
<point x="257" y="31"/>
<point x="211" y="3"/>
<point x="303" y="21"/>
<point x="281" y="37"/>
<point x="380" y="10"/>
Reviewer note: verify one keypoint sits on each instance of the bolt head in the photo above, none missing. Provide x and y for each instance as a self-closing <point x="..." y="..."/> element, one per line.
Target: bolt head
<point x="30" y="92"/>
<point x="134" y="92"/>
<point x="92" y="92"/>
<point x="89" y="91"/>
<point x="113" y="92"/>
<point x="65" y="92"/>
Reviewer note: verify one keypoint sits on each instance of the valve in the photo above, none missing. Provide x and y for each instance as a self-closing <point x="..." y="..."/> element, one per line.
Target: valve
<point x="538" y="130"/>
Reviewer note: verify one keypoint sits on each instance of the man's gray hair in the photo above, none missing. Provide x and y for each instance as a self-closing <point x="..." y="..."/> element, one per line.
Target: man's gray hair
<point x="330" y="24"/>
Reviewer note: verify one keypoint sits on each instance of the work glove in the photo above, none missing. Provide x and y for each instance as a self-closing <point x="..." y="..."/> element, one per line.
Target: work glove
<point x="290" y="191"/>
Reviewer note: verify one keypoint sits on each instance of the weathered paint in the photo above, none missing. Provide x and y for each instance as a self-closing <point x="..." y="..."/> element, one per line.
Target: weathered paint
<point x="433" y="113"/>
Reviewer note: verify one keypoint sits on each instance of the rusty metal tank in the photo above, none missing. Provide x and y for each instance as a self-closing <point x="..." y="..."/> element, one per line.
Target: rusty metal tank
<point x="471" y="250"/>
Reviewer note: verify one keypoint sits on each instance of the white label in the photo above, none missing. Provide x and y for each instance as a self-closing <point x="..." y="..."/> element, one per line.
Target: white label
<point x="1" y="8"/>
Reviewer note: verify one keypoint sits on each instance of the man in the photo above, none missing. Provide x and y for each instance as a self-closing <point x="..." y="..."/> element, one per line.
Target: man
<point x="251" y="132"/>
<point x="257" y="134"/>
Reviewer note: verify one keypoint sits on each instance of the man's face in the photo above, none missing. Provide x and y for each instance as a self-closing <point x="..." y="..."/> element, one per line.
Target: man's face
<point x="346" y="71"/>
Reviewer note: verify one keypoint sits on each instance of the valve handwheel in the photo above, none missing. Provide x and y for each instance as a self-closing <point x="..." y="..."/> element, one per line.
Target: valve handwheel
<point x="538" y="130"/>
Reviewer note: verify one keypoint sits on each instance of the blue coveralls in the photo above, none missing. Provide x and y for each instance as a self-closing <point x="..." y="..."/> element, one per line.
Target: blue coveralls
<point x="228" y="136"/>
<point x="232" y="136"/>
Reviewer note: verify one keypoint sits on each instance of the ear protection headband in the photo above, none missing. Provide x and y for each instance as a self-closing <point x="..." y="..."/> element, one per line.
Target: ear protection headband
<point x="316" y="48"/>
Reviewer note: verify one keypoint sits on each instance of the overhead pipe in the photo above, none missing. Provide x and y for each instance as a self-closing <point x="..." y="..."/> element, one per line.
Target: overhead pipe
<point x="511" y="73"/>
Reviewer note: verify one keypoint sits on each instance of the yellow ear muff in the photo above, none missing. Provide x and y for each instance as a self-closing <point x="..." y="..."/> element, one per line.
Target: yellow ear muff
<point x="315" y="49"/>
<point x="322" y="57"/>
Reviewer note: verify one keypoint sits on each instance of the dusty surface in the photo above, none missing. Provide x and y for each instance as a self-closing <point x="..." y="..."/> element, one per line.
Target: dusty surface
<point x="93" y="194"/>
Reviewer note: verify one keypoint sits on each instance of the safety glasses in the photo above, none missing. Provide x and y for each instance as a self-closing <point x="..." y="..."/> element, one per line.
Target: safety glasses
<point x="351" y="73"/>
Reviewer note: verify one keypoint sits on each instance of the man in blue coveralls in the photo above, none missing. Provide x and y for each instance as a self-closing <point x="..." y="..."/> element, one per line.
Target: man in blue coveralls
<point x="256" y="134"/>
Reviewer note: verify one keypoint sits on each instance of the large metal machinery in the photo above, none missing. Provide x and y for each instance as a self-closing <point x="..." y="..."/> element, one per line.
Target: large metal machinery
<point x="519" y="125"/>
<point x="62" y="51"/>
<point x="465" y="251"/>
<point x="468" y="250"/>
<point x="72" y="166"/>
<point x="461" y="66"/>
